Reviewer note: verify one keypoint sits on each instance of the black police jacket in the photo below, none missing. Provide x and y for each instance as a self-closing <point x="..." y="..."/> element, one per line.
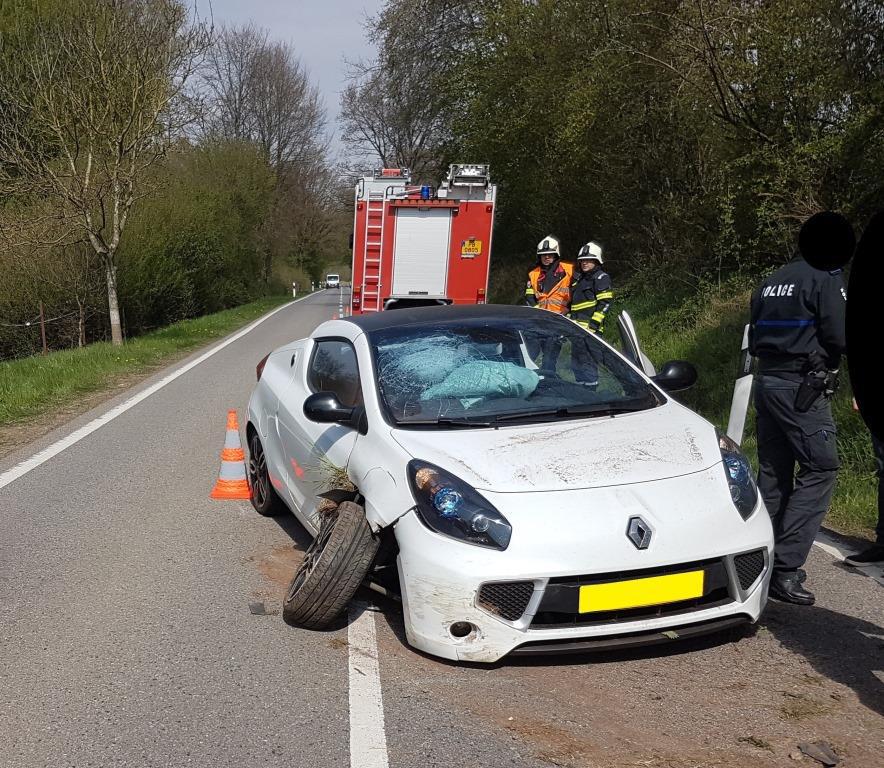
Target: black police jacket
<point x="796" y="311"/>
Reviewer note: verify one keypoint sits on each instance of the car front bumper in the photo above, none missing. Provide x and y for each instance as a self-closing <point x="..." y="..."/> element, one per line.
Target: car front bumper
<point x="445" y="583"/>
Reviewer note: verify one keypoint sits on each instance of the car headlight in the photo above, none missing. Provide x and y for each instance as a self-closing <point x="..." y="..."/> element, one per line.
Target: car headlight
<point x="449" y="506"/>
<point x="738" y="472"/>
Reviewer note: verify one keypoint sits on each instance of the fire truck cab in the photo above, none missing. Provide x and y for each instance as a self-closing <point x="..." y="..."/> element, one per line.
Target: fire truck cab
<point x="417" y="245"/>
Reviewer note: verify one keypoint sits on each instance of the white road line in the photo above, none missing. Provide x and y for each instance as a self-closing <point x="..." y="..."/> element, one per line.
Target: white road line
<point x="830" y="546"/>
<point x="368" y="742"/>
<point x="43" y="456"/>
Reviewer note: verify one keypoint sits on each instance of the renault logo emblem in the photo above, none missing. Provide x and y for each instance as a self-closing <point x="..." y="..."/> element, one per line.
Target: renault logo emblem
<point x="639" y="532"/>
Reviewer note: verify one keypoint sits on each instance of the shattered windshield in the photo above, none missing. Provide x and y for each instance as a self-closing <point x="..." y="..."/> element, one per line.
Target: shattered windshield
<point x="489" y="371"/>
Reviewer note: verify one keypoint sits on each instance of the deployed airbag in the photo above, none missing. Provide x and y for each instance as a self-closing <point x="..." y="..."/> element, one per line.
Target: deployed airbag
<point x="485" y="378"/>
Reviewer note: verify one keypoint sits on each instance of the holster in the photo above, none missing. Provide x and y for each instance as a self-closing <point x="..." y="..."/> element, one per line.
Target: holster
<point x="814" y="385"/>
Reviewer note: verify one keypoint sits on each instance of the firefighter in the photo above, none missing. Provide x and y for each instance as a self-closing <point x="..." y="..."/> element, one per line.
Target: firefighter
<point x="797" y="333"/>
<point x="549" y="283"/>
<point x="591" y="293"/>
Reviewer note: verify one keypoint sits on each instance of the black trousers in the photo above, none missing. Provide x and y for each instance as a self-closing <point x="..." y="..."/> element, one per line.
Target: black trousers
<point x="798" y="502"/>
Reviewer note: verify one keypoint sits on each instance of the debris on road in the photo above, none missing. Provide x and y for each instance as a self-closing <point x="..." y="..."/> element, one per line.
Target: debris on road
<point x="820" y="751"/>
<point x="257" y="609"/>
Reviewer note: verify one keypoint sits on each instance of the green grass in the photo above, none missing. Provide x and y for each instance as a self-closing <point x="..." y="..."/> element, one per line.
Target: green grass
<point x="34" y="385"/>
<point x="706" y="329"/>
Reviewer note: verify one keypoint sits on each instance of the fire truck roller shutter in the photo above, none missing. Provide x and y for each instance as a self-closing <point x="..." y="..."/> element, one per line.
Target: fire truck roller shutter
<point x="420" y="256"/>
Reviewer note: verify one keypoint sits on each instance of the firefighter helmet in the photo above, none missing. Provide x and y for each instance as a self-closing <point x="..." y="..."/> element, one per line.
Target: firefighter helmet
<point x="591" y="250"/>
<point x="549" y="244"/>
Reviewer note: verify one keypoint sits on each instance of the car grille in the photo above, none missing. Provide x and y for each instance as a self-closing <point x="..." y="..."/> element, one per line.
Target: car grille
<point x="559" y="606"/>
<point x="507" y="599"/>
<point x="749" y="567"/>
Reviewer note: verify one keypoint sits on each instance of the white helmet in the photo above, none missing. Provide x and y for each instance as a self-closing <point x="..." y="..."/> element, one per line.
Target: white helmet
<point x="549" y="244"/>
<point x="591" y="250"/>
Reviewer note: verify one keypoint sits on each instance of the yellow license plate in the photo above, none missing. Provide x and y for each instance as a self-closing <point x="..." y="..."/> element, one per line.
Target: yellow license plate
<point x="471" y="248"/>
<point x="638" y="593"/>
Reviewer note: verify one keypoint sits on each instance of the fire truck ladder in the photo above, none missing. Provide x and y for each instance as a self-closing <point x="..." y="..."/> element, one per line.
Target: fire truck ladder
<point x="374" y="239"/>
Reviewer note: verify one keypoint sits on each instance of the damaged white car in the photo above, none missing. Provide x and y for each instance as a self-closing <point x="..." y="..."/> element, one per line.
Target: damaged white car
<point x="522" y="485"/>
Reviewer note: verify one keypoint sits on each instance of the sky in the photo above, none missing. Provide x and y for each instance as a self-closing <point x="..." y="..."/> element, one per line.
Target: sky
<point x="322" y="32"/>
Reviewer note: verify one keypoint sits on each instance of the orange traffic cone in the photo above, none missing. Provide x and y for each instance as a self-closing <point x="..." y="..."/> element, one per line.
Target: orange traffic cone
<point x="232" y="483"/>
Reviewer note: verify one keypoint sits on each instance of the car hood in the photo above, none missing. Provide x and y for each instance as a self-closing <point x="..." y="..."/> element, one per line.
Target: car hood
<point x="668" y="441"/>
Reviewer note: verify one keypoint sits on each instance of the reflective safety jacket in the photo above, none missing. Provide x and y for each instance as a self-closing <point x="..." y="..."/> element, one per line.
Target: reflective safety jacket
<point x="550" y="288"/>
<point x="591" y="298"/>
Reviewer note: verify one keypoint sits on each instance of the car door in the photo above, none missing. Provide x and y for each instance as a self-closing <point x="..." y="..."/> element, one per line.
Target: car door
<point x="630" y="344"/>
<point x="274" y="386"/>
<point x="316" y="455"/>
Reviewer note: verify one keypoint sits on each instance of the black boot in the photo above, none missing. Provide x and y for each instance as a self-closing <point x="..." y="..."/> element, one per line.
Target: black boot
<point x="786" y="586"/>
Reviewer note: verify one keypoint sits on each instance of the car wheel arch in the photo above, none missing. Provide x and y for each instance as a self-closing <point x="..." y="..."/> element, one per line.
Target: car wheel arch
<point x="380" y="498"/>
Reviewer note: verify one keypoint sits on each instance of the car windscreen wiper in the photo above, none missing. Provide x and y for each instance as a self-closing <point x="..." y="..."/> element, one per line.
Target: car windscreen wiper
<point x="597" y="409"/>
<point x="444" y="422"/>
<point x="607" y="409"/>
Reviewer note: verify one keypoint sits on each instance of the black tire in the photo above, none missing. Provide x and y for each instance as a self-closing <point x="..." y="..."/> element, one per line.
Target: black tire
<point x="334" y="566"/>
<point x="262" y="494"/>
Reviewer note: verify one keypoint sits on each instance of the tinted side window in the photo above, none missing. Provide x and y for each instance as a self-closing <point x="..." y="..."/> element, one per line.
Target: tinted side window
<point x="334" y="369"/>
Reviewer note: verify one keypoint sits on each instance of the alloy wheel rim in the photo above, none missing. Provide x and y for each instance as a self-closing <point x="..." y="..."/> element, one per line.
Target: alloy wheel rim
<point x="258" y="472"/>
<point x="313" y="554"/>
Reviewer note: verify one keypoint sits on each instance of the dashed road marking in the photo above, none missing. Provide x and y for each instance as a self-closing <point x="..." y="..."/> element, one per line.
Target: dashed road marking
<point x="368" y="741"/>
<point x="74" y="437"/>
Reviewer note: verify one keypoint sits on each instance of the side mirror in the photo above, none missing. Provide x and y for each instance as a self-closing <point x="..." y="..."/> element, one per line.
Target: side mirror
<point x="675" y="376"/>
<point x="325" y="408"/>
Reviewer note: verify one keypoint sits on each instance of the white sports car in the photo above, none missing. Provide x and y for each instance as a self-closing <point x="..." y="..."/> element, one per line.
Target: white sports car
<point x="531" y="487"/>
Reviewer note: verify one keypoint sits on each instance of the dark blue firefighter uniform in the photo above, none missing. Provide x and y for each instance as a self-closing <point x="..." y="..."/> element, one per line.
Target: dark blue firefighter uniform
<point x="797" y="314"/>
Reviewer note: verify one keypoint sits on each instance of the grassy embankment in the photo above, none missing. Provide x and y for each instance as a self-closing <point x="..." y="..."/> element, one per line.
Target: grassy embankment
<point x="34" y="385"/>
<point x="706" y="329"/>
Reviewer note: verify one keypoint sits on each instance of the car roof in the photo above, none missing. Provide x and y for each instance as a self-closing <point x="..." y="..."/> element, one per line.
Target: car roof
<point x="394" y="317"/>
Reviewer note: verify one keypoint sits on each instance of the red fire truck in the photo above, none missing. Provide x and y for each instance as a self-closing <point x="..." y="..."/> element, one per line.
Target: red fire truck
<point x="417" y="245"/>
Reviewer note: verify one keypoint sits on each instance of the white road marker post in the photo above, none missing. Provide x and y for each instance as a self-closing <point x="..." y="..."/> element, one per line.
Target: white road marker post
<point x="368" y="741"/>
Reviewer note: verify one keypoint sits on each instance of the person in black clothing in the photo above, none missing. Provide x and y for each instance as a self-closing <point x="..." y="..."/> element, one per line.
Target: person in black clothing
<point x="873" y="555"/>
<point x="591" y="293"/>
<point x="797" y="333"/>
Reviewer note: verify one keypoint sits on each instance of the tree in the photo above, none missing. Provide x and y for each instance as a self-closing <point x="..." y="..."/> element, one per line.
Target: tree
<point x="260" y="93"/>
<point x="398" y="109"/>
<point x="103" y="87"/>
<point x="229" y="81"/>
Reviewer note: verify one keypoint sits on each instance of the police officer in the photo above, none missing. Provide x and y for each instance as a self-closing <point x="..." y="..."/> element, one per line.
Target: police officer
<point x="797" y="333"/>
<point x="591" y="293"/>
<point x="549" y="283"/>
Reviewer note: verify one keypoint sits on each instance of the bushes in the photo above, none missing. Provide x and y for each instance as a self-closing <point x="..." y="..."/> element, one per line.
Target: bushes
<point x="195" y="247"/>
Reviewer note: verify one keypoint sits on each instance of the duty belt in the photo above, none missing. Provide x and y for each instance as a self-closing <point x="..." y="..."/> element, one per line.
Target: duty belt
<point x="772" y="364"/>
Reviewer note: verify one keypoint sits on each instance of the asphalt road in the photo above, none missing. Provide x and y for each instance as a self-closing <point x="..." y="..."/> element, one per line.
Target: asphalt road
<point x="126" y="637"/>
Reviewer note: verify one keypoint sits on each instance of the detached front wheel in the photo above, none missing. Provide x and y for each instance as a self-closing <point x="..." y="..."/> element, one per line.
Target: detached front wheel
<point x="334" y="566"/>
